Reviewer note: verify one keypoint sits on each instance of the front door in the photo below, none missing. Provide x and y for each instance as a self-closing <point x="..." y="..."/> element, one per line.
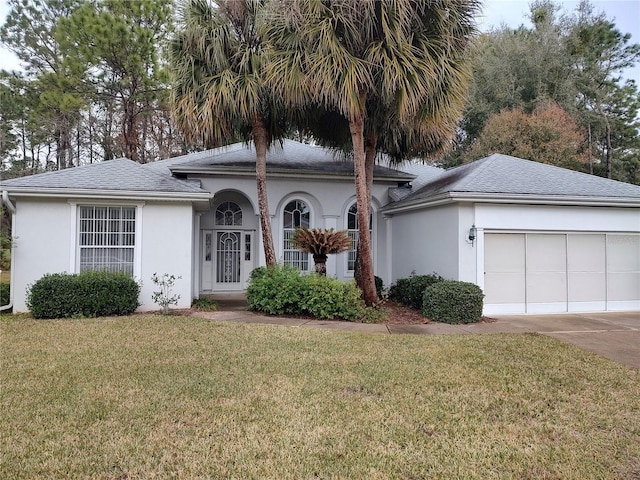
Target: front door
<point x="227" y="260"/>
<point x="228" y="268"/>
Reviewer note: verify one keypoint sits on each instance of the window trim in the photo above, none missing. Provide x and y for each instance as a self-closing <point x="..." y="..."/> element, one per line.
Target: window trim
<point x="74" y="243"/>
<point x="372" y="231"/>
<point x="233" y="223"/>
<point x="309" y="205"/>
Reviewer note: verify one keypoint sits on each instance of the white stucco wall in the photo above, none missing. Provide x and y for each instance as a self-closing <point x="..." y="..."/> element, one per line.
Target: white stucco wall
<point x="46" y="242"/>
<point x="467" y="250"/>
<point x="557" y="218"/>
<point x="166" y="247"/>
<point x="426" y="241"/>
<point x="328" y="200"/>
<point x="250" y="219"/>
<point x="381" y="248"/>
<point x="436" y="239"/>
<point x="41" y="244"/>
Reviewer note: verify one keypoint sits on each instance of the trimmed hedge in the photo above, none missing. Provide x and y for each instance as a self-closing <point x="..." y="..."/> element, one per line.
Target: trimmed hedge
<point x="88" y="294"/>
<point x="410" y="291"/>
<point x="274" y="290"/>
<point x="5" y="251"/>
<point x="4" y="293"/>
<point x="285" y="291"/>
<point x="450" y="301"/>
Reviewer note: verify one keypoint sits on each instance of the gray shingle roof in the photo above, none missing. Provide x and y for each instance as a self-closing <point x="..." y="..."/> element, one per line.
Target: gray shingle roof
<point x="424" y="174"/>
<point x="503" y="174"/>
<point x="116" y="175"/>
<point x="291" y="156"/>
<point x="164" y="166"/>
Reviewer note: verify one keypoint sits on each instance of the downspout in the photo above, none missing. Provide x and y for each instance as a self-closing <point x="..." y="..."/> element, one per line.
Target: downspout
<point x="12" y="209"/>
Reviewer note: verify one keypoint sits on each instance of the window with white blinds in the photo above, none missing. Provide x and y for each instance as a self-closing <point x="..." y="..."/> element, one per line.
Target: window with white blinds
<point x="296" y="214"/>
<point x="106" y="239"/>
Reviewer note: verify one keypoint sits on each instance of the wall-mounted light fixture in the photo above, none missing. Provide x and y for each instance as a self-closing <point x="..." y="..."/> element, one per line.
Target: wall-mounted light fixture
<point x="472" y="234"/>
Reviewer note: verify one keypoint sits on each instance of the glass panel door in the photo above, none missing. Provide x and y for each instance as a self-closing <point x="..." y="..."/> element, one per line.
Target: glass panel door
<point x="228" y="251"/>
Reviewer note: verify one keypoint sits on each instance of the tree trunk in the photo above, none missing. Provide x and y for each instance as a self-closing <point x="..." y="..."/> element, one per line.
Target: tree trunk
<point x="320" y="261"/>
<point x="130" y="131"/>
<point x="367" y="285"/>
<point x="24" y="144"/>
<point x="609" y="155"/>
<point x="90" y="137"/>
<point x="63" y="143"/>
<point x="590" y="152"/>
<point x="370" y="162"/>
<point x="260" y="141"/>
<point x="357" y="268"/>
<point x="107" y="138"/>
<point x="370" y="158"/>
<point x="59" y="151"/>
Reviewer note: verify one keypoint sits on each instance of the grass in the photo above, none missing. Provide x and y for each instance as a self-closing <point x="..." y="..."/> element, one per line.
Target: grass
<point x="183" y="397"/>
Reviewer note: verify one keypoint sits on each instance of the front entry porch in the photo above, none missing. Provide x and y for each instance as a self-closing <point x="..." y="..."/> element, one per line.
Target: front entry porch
<point x="226" y="302"/>
<point x="227" y="237"/>
<point x="227" y="260"/>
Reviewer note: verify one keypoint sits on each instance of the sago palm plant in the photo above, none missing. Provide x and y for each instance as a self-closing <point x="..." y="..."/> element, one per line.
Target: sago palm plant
<point x="320" y="243"/>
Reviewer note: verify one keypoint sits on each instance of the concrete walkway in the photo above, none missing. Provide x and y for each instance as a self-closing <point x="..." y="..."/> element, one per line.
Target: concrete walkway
<point x="614" y="335"/>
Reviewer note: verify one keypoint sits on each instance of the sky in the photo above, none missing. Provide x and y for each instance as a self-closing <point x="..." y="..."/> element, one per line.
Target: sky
<point x="513" y="13"/>
<point x="624" y="13"/>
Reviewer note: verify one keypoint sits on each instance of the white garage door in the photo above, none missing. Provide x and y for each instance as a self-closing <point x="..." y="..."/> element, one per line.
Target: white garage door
<point x="568" y="272"/>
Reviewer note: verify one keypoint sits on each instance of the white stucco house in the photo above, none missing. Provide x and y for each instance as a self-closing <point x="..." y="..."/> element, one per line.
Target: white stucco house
<point x="535" y="238"/>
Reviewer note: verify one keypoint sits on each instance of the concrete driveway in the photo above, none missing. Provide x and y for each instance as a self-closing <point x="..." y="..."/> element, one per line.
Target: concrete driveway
<point x="614" y="335"/>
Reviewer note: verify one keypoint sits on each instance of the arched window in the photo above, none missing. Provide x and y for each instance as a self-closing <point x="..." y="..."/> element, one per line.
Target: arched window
<point x="296" y="214"/>
<point x="352" y="230"/>
<point x="229" y="213"/>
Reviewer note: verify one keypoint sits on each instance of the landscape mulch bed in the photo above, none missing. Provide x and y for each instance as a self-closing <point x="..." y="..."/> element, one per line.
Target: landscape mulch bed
<point x="399" y="314"/>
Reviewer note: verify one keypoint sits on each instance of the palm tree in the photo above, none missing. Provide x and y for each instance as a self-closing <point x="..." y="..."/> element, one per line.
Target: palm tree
<point x="396" y="64"/>
<point x="218" y="92"/>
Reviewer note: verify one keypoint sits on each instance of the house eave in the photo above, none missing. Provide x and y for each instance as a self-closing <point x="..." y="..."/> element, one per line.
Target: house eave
<point x="518" y="199"/>
<point x="100" y="194"/>
<point x="284" y="173"/>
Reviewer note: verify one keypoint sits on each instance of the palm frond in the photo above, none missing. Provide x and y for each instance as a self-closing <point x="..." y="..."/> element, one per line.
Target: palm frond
<point x="320" y="241"/>
<point x="217" y="59"/>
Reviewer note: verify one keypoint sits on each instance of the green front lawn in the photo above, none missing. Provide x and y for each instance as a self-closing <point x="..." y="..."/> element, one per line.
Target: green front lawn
<point x="181" y="397"/>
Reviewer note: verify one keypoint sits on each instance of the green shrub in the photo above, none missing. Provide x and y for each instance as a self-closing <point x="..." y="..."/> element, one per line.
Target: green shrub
<point x="451" y="301"/>
<point x="163" y="296"/>
<point x="5" y="251"/>
<point x="205" y="304"/>
<point x="274" y="290"/>
<point x="285" y="291"/>
<point x="375" y="314"/>
<point x="326" y="297"/>
<point x="409" y="291"/>
<point x="88" y="294"/>
<point x="4" y="293"/>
